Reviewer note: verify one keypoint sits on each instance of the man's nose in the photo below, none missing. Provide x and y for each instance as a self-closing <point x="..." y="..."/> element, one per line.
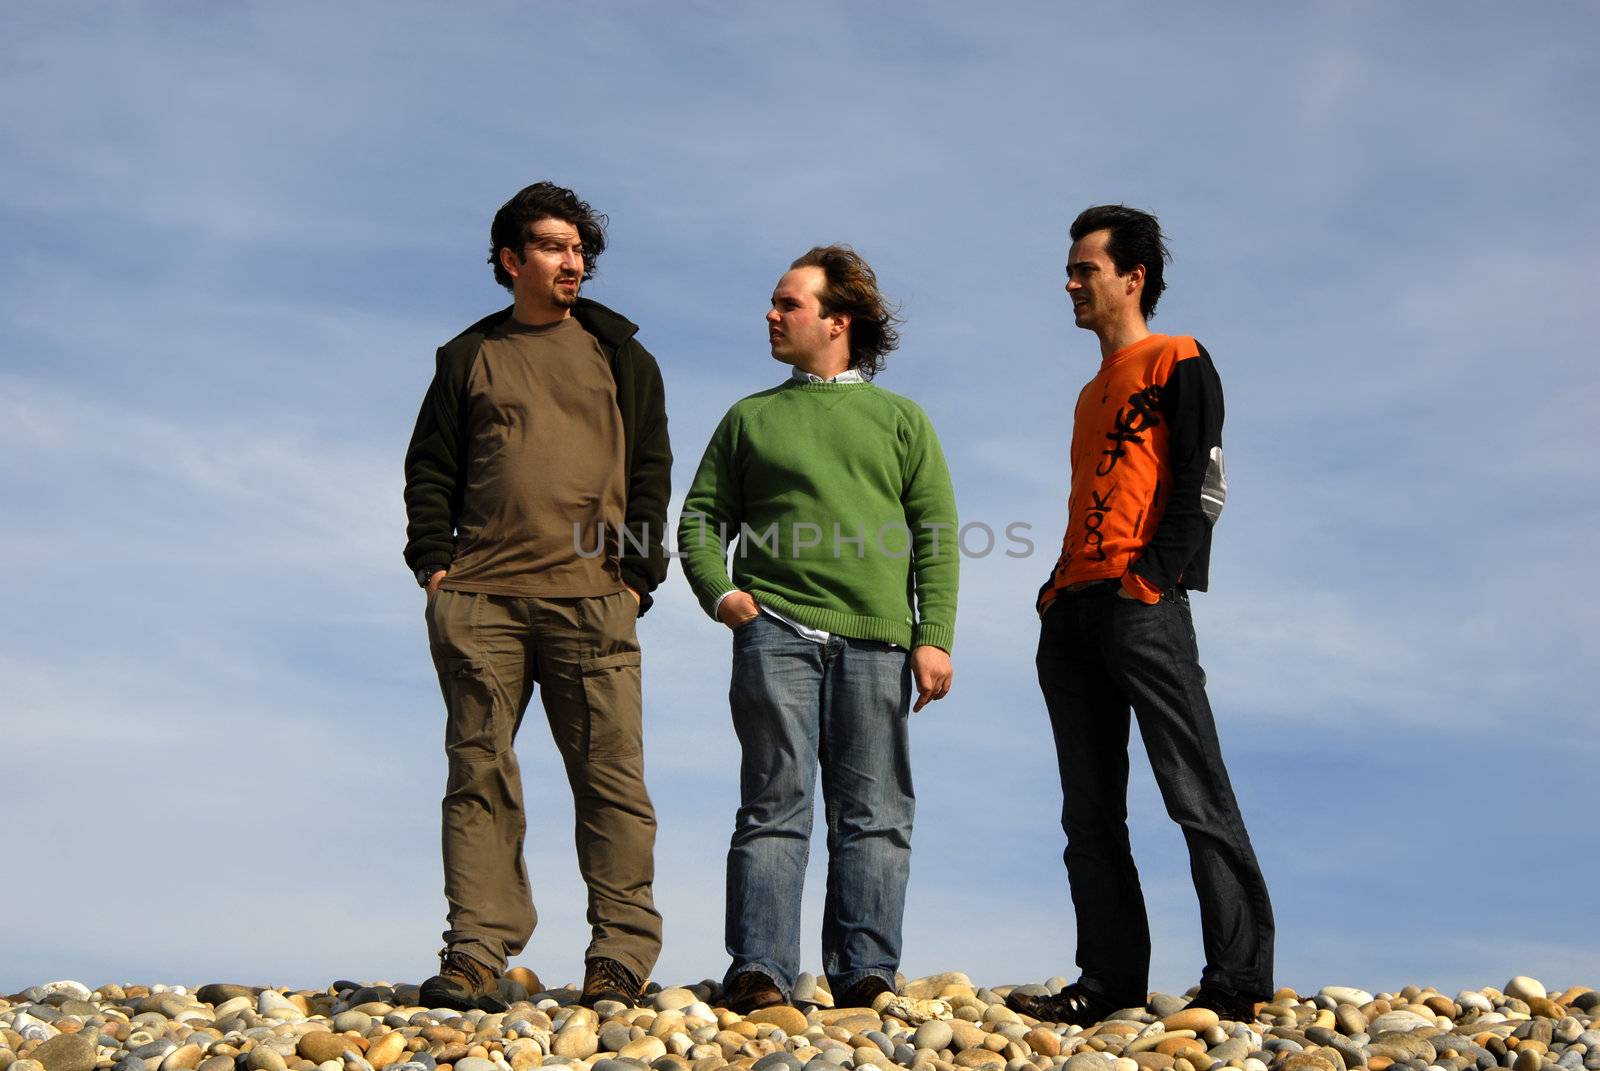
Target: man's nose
<point x="772" y="316"/>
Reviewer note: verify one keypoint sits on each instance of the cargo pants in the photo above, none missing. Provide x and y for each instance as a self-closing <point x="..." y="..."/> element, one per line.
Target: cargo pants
<point x="490" y="651"/>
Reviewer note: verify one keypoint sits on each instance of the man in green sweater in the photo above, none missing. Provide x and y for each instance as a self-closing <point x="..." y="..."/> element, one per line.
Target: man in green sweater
<point x="843" y="595"/>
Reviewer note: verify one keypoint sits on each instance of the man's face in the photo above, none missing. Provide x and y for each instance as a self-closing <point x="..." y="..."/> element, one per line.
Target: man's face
<point x="549" y="270"/>
<point x="796" y="327"/>
<point x="1100" y="296"/>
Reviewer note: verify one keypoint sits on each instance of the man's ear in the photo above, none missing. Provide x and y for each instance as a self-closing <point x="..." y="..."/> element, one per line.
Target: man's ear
<point x="1136" y="279"/>
<point x="509" y="261"/>
<point x="841" y="324"/>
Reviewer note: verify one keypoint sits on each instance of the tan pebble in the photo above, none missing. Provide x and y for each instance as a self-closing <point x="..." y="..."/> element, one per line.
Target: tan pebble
<point x="644" y="1049"/>
<point x="1528" y="1059"/>
<point x="972" y="1058"/>
<point x="964" y="1035"/>
<point x="27" y="1065"/>
<point x="265" y="1058"/>
<point x="1182" y="1064"/>
<point x="791" y="1021"/>
<point x="482" y="1052"/>
<point x="1043" y="1041"/>
<point x="1306" y="1061"/>
<point x="575" y="1042"/>
<point x="999" y="1013"/>
<point x="217" y="1063"/>
<point x="1196" y="1019"/>
<point x="1149" y="1061"/>
<point x="759" y="1047"/>
<point x="1379" y="1063"/>
<point x="386" y="1050"/>
<point x="748" y="1030"/>
<point x="1180" y="1046"/>
<point x="183" y="1058"/>
<point x="934" y="985"/>
<point x="1325" y="1019"/>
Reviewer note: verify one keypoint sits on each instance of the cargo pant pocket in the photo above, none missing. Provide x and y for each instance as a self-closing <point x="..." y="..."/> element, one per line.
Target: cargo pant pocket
<point x="469" y="710"/>
<point x="611" y="694"/>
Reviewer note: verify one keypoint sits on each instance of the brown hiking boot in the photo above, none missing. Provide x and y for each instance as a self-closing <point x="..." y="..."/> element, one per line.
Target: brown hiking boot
<point x="463" y="984"/>
<point x="750" y="991"/>
<point x="862" y="994"/>
<point x="606" y="979"/>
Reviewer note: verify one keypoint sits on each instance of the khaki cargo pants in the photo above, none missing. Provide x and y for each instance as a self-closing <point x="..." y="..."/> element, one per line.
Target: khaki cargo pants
<point x="490" y="651"/>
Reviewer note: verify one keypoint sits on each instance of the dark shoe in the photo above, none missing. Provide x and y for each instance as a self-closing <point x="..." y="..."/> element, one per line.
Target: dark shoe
<point x="463" y="984"/>
<point x="750" y="991"/>
<point x="1227" y="1003"/>
<point x="863" y="993"/>
<point x="606" y="979"/>
<point x="1074" y="1006"/>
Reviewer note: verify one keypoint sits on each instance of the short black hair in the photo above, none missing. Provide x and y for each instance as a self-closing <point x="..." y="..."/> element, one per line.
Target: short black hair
<point x="1135" y="239"/>
<point x="513" y="225"/>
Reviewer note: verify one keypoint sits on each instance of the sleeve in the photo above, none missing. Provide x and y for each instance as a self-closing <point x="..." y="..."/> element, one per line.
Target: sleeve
<point x="643" y="560"/>
<point x="434" y="465"/>
<point x="712" y="509"/>
<point x="1191" y="402"/>
<point x="930" y="508"/>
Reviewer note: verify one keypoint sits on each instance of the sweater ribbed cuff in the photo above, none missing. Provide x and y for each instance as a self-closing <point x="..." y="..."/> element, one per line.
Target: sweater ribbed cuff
<point x="712" y="594"/>
<point x="940" y="636"/>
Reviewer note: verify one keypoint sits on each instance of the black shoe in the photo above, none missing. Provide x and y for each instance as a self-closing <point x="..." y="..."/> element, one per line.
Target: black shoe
<point x="1227" y="1003"/>
<point x="606" y="979"/>
<point x="863" y="993"/>
<point x="1073" y="1006"/>
<point x="750" y="991"/>
<point x="463" y="984"/>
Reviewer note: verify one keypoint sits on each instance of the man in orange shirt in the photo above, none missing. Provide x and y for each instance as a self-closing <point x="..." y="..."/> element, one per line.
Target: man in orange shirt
<point x="1147" y="487"/>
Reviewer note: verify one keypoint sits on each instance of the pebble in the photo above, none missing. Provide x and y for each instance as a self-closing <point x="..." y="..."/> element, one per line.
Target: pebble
<point x="940" y="1022"/>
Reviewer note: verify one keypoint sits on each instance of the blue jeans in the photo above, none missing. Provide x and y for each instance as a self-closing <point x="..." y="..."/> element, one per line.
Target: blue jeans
<point x="844" y="704"/>
<point x="1100" y="654"/>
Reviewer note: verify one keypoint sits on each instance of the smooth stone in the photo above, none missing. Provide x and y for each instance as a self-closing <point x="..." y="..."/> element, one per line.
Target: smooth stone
<point x="614" y="1035"/>
<point x="319" y="1046"/>
<point x="646" y="1050"/>
<point x="1165" y="1004"/>
<point x="1524" y="988"/>
<point x="1087" y="1061"/>
<point x="216" y="1063"/>
<point x="934" y="1034"/>
<point x="1347" y="1018"/>
<point x="1344" y="994"/>
<point x="933" y="985"/>
<point x="1196" y="1019"/>
<point x="66" y="1052"/>
<point x="805" y="988"/>
<point x="791" y="1021"/>
<point x="387" y="1050"/>
<point x="274" y="1004"/>
<point x="475" y="1063"/>
<point x="778" y="1061"/>
<point x="1044" y="1041"/>
<point x="1307" y="1061"/>
<point x="673" y="998"/>
<point x="221" y="992"/>
<point x="1528" y="1058"/>
<point x="31" y="1064"/>
<point x="265" y="1058"/>
<point x="1402" y="1022"/>
<point x="969" y="1058"/>
<point x="183" y="1058"/>
<point x="73" y="990"/>
<point x="1401" y="1047"/>
<point x="576" y="1041"/>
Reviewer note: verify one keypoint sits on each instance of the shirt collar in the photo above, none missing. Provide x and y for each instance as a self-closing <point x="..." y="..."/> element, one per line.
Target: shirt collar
<point x="849" y="375"/>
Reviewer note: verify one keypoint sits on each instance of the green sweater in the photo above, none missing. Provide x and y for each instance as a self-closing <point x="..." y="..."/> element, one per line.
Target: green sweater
<point x="839" y="502"/>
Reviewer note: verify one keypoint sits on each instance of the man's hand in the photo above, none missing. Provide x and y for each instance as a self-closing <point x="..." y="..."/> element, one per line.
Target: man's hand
<point x="930" y="668"/>
<point x="738" y="608"/>
<point x="635" y="594"/>
<point x="434" y="581"/>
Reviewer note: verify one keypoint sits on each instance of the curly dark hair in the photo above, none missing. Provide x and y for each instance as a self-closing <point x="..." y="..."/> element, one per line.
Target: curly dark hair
<point x="1135" y="239"/>
<point x="513" y="225"/>
<point x="850" y="286"/>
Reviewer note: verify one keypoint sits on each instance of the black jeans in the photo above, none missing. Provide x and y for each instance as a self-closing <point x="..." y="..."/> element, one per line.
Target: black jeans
<point x="1099" y="654"/>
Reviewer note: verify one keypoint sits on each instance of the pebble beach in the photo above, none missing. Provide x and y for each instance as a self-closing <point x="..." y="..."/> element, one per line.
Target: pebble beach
<point x="942" y="1022"/>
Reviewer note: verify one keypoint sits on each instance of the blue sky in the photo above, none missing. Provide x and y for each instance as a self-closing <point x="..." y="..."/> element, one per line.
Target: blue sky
<point x="235" y="237"/>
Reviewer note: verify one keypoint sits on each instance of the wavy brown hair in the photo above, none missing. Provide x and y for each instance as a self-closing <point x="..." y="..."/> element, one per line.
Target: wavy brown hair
<point x="513" y="225"/>
<point x="850" y="286"/>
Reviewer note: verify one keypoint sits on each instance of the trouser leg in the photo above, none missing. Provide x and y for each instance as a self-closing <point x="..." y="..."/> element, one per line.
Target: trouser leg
<point x="1156" y="661"/>
<point x="479" y="650"/>
<point x="870" y="804"/>
<point x="588" y="662"/>
<point x="775" y="698"/>
<point x="1089" y="719"/>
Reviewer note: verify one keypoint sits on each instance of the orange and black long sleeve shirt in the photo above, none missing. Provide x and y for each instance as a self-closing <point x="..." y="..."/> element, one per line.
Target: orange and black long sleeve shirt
<point x="1147" y="475"/>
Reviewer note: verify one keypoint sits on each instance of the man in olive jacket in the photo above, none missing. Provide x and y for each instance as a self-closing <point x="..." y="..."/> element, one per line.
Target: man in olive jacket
<point x="536" y="494"/>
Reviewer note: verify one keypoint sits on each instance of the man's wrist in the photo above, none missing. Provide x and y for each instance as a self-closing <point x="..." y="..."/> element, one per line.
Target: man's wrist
<point x="424" y="574"/>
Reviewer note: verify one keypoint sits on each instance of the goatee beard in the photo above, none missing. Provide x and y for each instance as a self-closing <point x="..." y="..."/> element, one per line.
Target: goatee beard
<point x="563" y="298"/>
